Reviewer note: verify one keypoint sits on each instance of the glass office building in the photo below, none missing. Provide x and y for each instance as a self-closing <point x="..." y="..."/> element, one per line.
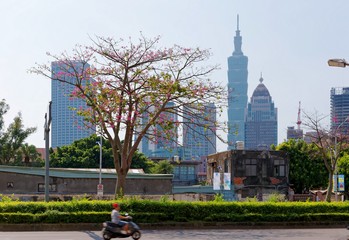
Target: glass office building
<point x="156" y="143"/>
<point x="340" y="110"/>
<point x="199" y="138"/>
<point x="260" y="120"/>
<point x="237" y="92"/>
<point x="67" y="126"/>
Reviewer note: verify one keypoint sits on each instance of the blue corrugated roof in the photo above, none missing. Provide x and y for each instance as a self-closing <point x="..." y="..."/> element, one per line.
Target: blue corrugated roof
<point x="80" y="173"/>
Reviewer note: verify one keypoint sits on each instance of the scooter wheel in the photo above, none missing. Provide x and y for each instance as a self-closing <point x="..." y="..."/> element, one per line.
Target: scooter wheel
<point x="106" y="236"/>
<point x="136" y="235"/>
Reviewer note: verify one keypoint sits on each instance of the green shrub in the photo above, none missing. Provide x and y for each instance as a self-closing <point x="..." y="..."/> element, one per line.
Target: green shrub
<point x="218" y="197"/>
<point x="149" y="211"/>
<point x="5" y="198"/>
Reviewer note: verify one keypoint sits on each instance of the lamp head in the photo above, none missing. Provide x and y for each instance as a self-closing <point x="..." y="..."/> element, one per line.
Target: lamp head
<point x="337" y="63"/>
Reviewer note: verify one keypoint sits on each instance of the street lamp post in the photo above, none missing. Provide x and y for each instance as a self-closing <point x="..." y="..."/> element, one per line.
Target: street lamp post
<point x="100" y="186"/>
<point x="337" y="63"/>
<point x="335" y="157"/>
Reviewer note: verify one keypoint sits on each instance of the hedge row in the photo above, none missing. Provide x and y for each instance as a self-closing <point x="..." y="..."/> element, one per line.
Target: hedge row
<point x="147" y="211"/>
<point x="99" y="217"/>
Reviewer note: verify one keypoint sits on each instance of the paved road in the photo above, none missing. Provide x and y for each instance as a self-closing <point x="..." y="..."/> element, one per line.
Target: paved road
<point x="261" y="234"/>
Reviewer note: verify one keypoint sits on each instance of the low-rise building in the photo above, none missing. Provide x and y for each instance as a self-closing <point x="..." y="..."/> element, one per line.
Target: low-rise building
<point x="30" y="180"/>
<point x="251" y="173"/>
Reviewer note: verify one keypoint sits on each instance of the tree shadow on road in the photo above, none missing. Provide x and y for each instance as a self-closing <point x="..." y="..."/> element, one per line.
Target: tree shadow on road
<point x="93" y="235"/>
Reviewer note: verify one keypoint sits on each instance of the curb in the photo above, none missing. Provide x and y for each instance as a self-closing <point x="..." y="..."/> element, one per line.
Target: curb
<point x="172" y="226"/>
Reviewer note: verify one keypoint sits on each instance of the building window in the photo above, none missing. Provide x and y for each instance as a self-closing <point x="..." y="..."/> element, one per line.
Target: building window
<point x="279" y="168"/>
<point x="251" y="167"/>
<point x="226" y="165"/>
<point x="191" y="173"/>
<point x="51" y="188"/>
<point x="264" y="169"/>
<point x="176" y="174"/>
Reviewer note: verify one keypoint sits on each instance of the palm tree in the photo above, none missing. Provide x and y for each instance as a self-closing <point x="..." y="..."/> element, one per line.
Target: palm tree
<point x="28" y="154"/>
<point x="163" y="167"/>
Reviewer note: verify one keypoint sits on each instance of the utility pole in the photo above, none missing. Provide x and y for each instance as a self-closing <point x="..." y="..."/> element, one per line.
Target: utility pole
<point x="100" y="185"/>
<point x="336" y="158"/>
<point x="47" y="154"/>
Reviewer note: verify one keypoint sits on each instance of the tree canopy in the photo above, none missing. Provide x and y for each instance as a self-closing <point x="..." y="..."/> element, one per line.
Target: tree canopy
<point x="134" y="88"/>
<point x="307" y="170"/>
<point x="330" y="143"/>
<point x="85" y="153"/>
<point x="12" y="139"/>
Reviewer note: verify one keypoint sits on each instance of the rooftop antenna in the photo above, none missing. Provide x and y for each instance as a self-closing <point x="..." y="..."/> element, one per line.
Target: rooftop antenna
<point x="299" y="122"/>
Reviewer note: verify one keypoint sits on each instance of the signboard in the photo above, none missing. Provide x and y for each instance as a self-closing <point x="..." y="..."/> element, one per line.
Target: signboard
<point x="216" y="181"/>
<point x="340" y="181"/>
<point x="100" y="189"/>
<point x="227" y="182"/>
<point x="218" y="184"/>
<point x="334" y="183"/>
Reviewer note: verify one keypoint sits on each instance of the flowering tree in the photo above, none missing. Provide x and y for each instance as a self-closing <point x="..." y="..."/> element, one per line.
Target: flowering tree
<point x="330" y="144"/>
<point x="134" y="90"/>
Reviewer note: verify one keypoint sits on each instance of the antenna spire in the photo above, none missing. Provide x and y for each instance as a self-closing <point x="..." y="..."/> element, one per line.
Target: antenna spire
<point x="299" y="122"/>
<point x="237" y="39"/>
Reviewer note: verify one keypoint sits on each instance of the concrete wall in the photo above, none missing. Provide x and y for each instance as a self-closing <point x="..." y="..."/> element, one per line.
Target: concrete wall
<point x="17" y="183"/>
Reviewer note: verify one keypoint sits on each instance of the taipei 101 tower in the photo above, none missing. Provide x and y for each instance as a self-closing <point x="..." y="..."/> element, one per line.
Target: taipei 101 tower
<point x="237" y="92"/>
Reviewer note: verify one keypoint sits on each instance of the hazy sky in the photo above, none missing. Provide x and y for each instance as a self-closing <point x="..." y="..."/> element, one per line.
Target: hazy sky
<point x="288" y="41"/>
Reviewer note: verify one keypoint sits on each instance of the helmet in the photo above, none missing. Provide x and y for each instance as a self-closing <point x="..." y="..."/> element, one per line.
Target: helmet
<point x="115" y="205"/>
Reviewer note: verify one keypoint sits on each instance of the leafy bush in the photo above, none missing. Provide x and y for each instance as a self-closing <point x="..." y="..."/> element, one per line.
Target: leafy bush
<point x="5" y="198"/>
<point x="218" y="197"/>
<point x="276" y="197"/>
<point x="148" y="211"/>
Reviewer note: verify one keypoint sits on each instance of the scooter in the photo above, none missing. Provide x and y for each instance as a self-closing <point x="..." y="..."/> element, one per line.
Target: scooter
<point x="111" y="230"/>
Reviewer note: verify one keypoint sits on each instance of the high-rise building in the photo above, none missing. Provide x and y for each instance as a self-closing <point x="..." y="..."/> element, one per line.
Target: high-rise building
<point x="67" y="126"/>
<point x="199" y="140"/>
<point x="237" y="92"/>
<point x="340" y="110"/>
<point x="158" y="143"/>
<point x="293" y="133"/>
<point x="260" y="120"/>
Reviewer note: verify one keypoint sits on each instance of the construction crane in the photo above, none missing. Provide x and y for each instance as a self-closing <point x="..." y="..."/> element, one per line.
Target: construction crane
<point x="299" y="122"/>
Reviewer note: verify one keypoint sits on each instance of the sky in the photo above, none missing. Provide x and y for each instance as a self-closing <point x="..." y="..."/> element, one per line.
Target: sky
<point x="288" y="42"/>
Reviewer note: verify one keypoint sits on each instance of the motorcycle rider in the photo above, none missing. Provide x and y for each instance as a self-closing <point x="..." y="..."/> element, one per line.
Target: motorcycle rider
<point x="117" y="219"/>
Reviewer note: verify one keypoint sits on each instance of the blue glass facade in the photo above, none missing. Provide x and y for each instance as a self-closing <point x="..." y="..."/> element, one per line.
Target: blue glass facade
<point x="237" y="92"/>
<point x="156" y="144"/>
<point x="260" y="120"/>
<point x="67" y="126"/>
<point x="198" y="140"/>
<point x="340" y="110"/>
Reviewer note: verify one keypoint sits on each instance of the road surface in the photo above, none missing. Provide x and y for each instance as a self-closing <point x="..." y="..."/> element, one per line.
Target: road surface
<point x="255" y="234"/>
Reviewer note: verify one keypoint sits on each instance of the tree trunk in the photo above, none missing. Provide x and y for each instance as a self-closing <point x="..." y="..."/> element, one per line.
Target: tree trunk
<point x="120" y="184"/>
<point x="330" y="187"/>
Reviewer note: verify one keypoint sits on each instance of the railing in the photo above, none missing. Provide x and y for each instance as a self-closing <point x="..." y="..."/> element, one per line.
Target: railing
<point x="303" y="197"/>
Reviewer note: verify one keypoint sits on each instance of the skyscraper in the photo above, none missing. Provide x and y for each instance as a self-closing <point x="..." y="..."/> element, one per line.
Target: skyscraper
<point x="260" y="120"/>
<point x="67" y="126"/>
<point x="237" y="92"/>
<point x="340" y="109"/>
<point x="156" y="143"/>
<point x="293" y="133"/>
<point x="199" y="139"/>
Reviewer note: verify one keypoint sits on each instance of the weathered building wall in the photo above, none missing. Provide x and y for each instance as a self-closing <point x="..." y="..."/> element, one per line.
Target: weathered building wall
<point x="253" y="173"/>
<point x="19" y="183"/>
